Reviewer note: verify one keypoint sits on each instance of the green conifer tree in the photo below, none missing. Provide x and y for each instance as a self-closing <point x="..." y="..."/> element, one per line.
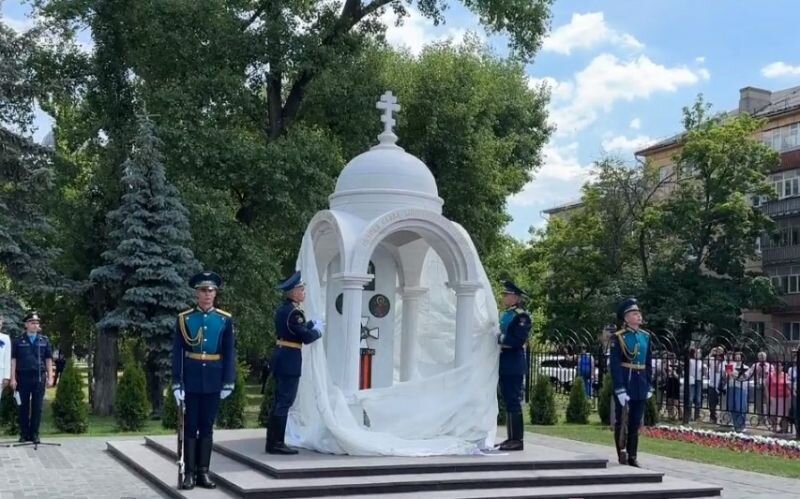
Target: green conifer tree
<point x="131" y="406"/>
<point x="578" y="407"/>
<point x="70" y="411"/>
<point x="231" y="410"/>
<point x="543" y="402"/>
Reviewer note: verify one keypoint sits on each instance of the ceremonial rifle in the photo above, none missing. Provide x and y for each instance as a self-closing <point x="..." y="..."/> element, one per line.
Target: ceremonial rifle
<point x="181" y="423"/>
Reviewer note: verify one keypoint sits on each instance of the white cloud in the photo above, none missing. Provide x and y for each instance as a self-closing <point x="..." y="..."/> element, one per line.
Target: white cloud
<point x="636" y="123"/>
<point x="700" y="60"/>
<point x="558" y="180"/>
<point x="780" y="68"/>
<point x="586" y="31"/>
<point x="18" y="25"/>
<point x="417" y="31"/>
<point x="623" y="143"/>
<point x="559" y="90"/>
<point x="607" y="80"/>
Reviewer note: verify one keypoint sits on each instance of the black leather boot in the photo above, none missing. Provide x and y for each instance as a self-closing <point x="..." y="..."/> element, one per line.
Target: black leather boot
<point x="203" y="462"/>
<point x="514" y="443"/>
<point x="189" y="460"/>
<point x="633" y="445"/>
<point x="278" y="446"/>
<point x="508" y="432"/>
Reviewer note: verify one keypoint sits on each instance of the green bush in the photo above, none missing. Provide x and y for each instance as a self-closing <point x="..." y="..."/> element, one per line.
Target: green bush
<point x="651" y="412"/>
<point x="266" y="403"/>
<point x="169" y="412"/>
<point x="9" y="420"/>
<point x="578" y="407"/>
<point x="604" y="402"/>
<point x="543" y="402"/>
<point x="131" y="407"/>
<point x="70" y="411"/>
<point x="231" y="410"/>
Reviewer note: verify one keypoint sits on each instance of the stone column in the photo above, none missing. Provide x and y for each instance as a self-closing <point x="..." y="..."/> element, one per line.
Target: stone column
<point x="352" y="290"/>
<point x="408" y="346"/>
<point x="465" y="317"/>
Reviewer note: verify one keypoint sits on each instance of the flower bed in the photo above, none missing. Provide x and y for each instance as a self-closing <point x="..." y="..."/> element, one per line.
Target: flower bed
<point x="738" y="442"/>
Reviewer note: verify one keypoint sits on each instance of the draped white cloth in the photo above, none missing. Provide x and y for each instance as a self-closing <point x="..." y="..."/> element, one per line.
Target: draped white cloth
<point x="445" y="411"/>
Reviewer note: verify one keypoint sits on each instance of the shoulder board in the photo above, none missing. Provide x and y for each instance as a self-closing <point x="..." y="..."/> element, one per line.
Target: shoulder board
<point x="222" y="312"/>
<point x="620" y="332"/>
<point x="186" y="312"/>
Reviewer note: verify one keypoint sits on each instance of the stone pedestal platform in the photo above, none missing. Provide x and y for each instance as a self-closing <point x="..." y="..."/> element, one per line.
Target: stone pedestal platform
<point x="242" y="470"/>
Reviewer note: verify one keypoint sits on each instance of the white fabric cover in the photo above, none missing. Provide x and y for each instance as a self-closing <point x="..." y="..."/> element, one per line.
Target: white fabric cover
<point x="446" y="411"/>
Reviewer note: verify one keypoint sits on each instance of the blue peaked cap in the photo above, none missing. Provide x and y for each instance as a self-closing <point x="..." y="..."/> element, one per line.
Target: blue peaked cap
<point x="292" y="282"/>
<point x="626" y="306"/>
<point x="512" y="289"/>
<point x="206" y="280"/>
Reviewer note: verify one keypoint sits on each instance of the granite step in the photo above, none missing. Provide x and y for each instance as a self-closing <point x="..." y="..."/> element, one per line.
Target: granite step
<point x="158" y="470"/>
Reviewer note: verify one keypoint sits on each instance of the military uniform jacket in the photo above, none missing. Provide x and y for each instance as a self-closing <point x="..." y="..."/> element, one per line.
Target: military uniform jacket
<point x="292" y="331"/>
<point x="631" y="363"/>
<point x="31" y="357"/>
<point x="5" y="357"/>
<point x="204" y="353"/>
<point x="515" y="326"/>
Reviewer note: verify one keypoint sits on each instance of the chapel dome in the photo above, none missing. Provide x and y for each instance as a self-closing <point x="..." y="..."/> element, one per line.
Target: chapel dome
<point x="386" y="177"/>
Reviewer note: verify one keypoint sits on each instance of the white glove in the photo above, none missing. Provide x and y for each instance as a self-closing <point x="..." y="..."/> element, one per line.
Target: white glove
<point x="623" y="398"/>
<point x="179" y="395"/>
<point x="649" y="394"/>
<point x="319" y="326"/>
<point x="225" y="394"/>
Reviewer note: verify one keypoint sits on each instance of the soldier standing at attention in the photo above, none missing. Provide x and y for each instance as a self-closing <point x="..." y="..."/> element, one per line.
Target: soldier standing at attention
<point x="515" y="326"/>
<point x="292" y="332"/>
<point x="631" y="370"/>
<point x="31" y="373"/>
<point x="203" y="373"/>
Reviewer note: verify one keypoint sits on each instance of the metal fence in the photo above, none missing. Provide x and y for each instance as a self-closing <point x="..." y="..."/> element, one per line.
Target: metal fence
<point x="739" y="381"/>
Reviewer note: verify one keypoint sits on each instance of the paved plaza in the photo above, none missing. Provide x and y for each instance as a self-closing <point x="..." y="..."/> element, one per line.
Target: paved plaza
<point x="82" y="468"/>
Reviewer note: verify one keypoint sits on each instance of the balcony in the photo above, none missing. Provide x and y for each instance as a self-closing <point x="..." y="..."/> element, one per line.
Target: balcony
<point x="786" y="207"/>
<point x="779" y="255"/>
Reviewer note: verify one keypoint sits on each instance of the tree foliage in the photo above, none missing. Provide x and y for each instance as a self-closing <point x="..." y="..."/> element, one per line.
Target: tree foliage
<point x="543" y="402"/>
<point x="131" y="407"/>
<point x="70" y="411"/>
<point x="578" y="407"/>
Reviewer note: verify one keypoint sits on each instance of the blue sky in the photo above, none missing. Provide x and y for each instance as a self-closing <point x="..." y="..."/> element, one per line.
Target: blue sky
<point x="620" y="71"/>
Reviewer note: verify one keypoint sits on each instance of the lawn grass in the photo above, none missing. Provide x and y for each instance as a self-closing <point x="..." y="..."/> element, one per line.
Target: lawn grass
<point x="599" y="434"/>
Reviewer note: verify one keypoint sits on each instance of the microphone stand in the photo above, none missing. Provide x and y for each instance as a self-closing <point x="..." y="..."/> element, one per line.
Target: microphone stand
<point x="44" y="387"/>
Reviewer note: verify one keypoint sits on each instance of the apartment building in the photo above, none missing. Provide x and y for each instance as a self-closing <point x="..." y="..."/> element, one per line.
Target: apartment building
<point x="779" y="256"/>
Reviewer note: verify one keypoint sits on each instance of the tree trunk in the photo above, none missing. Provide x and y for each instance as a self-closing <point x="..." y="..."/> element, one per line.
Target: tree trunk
<point x="155" y="387"/>
<point x="105" y="372"/>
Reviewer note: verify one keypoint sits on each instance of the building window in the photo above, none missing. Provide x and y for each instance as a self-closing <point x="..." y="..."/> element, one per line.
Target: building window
<point x="664" y="172"/>
<point x="791" y="331"/>
<point x="757" y="327"/>
<point x="784" y="138"/>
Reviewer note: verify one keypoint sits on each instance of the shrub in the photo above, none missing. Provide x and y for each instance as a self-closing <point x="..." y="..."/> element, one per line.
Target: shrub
<point x="604" y="402"/>
<point x="131" y="406"/>
<point x="651" y="412"/>
<point x="70" y="411"/>
<point x="169" y="412"/>
<point x="578" y="407"/>
<point x="543" y="402"/>
<point x="231" y="410"/>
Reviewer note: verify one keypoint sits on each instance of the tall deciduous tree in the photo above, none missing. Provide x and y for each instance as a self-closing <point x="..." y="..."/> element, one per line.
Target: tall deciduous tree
<point x="150" y="262"/>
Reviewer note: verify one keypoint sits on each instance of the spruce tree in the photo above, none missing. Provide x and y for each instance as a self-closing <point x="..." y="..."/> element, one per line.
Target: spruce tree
<point x="70" y="411"/>
<point x="131" y="406"/>
<point x="604" y="401"/>
<point x="149" y="263"/>
<point x="169" y="412"/>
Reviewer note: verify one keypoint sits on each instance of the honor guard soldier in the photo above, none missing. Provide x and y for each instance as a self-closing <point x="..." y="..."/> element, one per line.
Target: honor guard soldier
<point x="631" y="371"/>
<point x="31" y="374"/>
<point x="515" y="326"/>
<point x="203" y="373"/>
<point x="292" y="331"/>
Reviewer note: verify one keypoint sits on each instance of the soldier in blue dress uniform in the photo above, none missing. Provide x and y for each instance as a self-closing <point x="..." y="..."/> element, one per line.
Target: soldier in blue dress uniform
<point x="631" y="371"/>
<point x="31" y="374"/>
<point x="515" y="326"/>
<point x="203" y="373"/>
<point x="292" y="331"/>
